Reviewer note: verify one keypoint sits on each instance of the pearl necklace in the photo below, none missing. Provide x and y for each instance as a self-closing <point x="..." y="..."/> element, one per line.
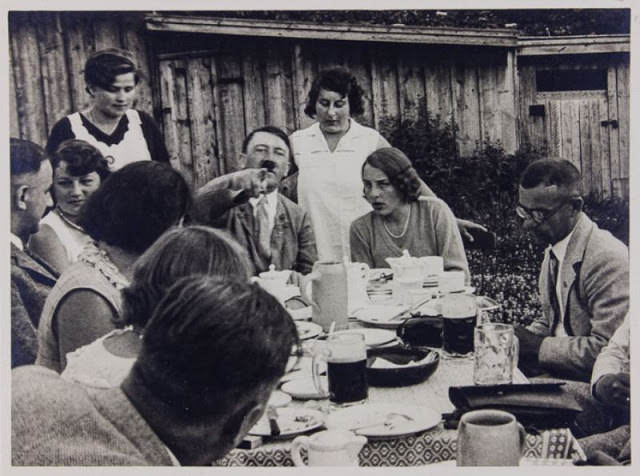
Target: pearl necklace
<point x="68" y="221"/>
<point x="404" y="228"/>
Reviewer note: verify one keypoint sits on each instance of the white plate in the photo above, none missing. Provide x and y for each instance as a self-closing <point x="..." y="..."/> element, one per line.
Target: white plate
<point x="373" y="337"/>
<point x="302" y="388"/>
<point x="374" y="417"/>
<point x="292" y="421"/>
<point x="307" y="330"/>
<point x="301" y="314"/>
<point x="279" y="399"/>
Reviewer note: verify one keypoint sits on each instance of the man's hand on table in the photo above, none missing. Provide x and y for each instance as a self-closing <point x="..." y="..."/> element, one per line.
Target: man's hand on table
<point x="613" y="389"/>
<point x="529" y="344"/>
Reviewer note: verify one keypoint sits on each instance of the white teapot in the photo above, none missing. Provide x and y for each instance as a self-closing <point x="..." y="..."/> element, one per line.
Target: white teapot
<point x="276" y="283"/>
<point x="328" y="448"/>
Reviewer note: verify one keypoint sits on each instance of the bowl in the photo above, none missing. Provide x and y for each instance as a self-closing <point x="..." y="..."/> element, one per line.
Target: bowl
<point x="401" y="376"/>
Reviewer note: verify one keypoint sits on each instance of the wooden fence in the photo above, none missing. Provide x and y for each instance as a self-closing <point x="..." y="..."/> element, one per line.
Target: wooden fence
<point x="208" y="91"/>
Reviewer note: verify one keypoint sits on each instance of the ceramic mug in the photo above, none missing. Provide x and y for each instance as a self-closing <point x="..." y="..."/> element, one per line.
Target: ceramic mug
<point x="489" y="438"/>
<point x="328" y="448"/>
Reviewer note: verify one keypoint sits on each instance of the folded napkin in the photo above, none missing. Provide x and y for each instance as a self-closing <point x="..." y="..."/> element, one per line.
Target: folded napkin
<point x="381" y="363"/>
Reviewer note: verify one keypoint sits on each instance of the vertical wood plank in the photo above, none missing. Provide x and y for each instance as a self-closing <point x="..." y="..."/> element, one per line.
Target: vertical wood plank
<point x="596" y="150"/>
<point x="614" y="133"/>
<point x="228" y="96"/>
<point x="357" y="62"/>
<point x="586" y="152"/>
<point x="575" y="132"/>
<point x="78" y="44"/>
<point x="14" y="123"/>
<point x="601" y="113"/>
<point x="28" y="80"/>
<point x="623" y="97"/>
<point x="203" y="137"/>
<point x="411" y="86"/>
<point x="490" y="125"/>
<point x="303" y="76"/>
<point x="437" y="79"/>
<point x="106" y="30"/>
<point x="253" y="92"/>
<point x="508" y="118"/>
<point x="183" y="120"/>
<point x="554" y="131"/>
<point x="277" y="89"/>
<point x="384" y="87"/>
<point x="169" y="116"/>
<point x="134" y="40"/>
<point x="533" y="128"/>
<point x="55" y="80"/>
<point x="466" y="107"/>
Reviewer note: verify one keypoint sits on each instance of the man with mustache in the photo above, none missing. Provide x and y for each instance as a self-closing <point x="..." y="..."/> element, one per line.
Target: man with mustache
<point x="273" y="229"/>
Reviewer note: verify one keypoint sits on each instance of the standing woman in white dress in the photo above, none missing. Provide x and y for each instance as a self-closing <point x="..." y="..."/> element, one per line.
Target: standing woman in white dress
<point x="329" y="155"/>
<point x="78" y="170"/>
<point x="111" y="124"/>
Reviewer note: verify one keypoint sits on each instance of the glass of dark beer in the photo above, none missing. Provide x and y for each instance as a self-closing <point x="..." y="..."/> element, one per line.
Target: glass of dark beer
<point x="345" y="355"/>
<point x="458" y="322"/>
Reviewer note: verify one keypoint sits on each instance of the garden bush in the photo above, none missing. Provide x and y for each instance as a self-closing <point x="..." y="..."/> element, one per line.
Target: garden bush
<point x="483" y="187"/>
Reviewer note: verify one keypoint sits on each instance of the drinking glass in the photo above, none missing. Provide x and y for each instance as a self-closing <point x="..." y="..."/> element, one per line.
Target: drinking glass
<point x="496" y="354"/>
<point x="458" y="321"/>
<point x="345" y="355"/>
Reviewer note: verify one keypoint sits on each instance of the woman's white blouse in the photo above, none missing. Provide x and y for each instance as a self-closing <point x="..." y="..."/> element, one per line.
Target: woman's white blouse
<point x="73" y="240"/>
<point x="330" y="183"/>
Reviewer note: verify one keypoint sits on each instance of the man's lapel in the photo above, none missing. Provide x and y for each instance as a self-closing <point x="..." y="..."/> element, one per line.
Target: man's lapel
<point x="35" y="266"/>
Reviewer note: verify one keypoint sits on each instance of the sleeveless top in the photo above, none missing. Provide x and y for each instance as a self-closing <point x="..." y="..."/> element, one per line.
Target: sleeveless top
<point x="330" y="183"/>
<point x="132" y="148"/>
<point x="72" y="239"/>
<point x="93" y="365"/>
<point x="93" y="271"/>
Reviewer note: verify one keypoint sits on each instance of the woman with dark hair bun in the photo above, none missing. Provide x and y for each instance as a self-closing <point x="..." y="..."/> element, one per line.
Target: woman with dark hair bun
<point x="78" y="170"/>
<point x="178" y="253"/>
<point x="129" y="211"/>
<point x="402" y="219"/>
<point x="111" y="124"/>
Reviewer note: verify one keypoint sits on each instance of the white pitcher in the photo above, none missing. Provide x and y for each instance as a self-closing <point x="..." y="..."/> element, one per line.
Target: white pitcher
<point x="357" y="281"/>
<point x="328" y="448"/>
<point x="329" y="294"/>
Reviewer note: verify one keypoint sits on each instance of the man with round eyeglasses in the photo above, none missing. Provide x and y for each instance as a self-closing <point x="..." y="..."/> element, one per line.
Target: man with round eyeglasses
<point x="584" y="278"/>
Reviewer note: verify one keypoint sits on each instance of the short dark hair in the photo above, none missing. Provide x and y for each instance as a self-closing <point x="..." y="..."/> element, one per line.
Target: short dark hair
<point x="25" y="157"/>
<point x="103" y="66"/>
<point x="276" y="131"/>
<point x="211" y="344"/>
<point x="552" y="171"/>
<point x="177" y="253"/>
<point x="398" y="169"/>
<point x="338" y="80"/>
<point x="81" y="157"/>
<point x="135" y="205"/>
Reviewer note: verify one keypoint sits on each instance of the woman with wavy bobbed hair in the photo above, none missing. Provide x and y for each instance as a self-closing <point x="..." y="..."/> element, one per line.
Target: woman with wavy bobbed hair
<point x="403" y="219"/>
<point x="128" y="212"/>
<point x="78" y="170"/>
<point x="178" y="253"/>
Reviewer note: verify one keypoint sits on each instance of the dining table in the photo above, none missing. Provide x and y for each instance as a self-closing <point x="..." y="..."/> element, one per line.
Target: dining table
<point x="434" y="445"/>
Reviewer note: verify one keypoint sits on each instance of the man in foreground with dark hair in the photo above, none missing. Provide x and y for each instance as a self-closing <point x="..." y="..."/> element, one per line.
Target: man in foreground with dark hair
<point x="272" y="228"/>
<point x="31" y="277"/>
<point x="211" y="355"/>
<point x="584" y="279"/>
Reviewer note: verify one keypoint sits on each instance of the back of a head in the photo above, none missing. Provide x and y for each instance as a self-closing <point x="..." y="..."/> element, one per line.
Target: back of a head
<point x="25" y="157"/>
<point x="178" y="253"/>
<point x="213" y="345"/>
<point x="552" y="171"/>
<point x="135" y="205"/>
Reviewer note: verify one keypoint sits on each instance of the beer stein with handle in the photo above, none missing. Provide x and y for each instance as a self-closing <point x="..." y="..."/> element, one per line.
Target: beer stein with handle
<point x="489" y="438"/>
<point x="329" y="294"/>
<point x="328" y="448"/>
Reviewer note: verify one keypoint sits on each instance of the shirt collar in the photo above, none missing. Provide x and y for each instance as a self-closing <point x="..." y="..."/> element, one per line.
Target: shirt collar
<point x="16" y="241"/>
<point x="271" y="199"/>
<point x="560" y="248"/>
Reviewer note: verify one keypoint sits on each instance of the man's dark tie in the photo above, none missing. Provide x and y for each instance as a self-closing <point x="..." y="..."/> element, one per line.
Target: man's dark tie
<point x="262" y="222"/>
<point x="553" y="296"/>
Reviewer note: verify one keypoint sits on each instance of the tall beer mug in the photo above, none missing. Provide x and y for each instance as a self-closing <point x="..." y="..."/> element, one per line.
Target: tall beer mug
<point x="329" y="299"/>
<point x="495" y="354"/>
<point x="345" y="355"/>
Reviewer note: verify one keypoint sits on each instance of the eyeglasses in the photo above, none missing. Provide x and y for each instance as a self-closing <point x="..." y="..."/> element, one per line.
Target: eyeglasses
<point x="539" y="215"/>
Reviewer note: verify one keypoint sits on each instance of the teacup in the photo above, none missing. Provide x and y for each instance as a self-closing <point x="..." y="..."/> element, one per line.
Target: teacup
<point x="328" y="448"/>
